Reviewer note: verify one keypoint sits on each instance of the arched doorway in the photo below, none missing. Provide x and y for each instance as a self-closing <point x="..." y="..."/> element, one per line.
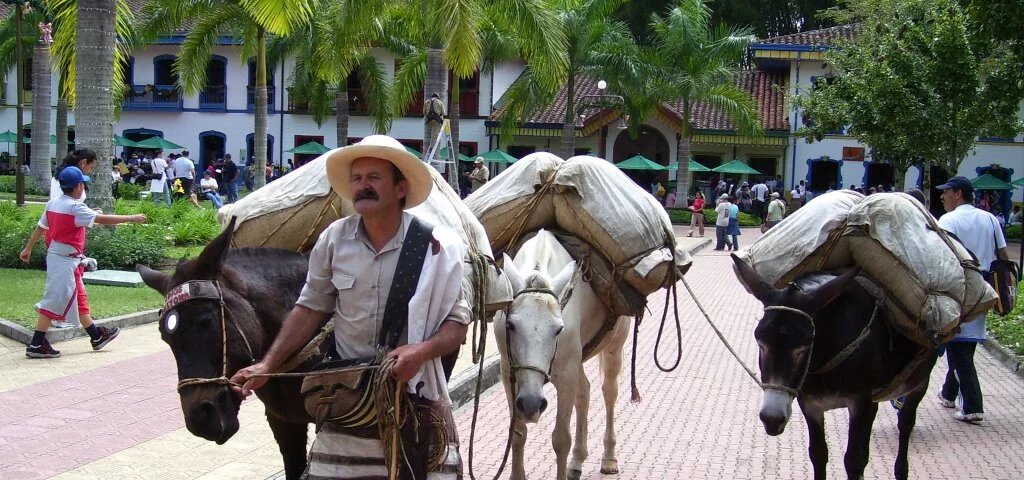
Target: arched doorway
<point x="650" y="143"/>
<point x="824" y="173"/>
<point x="249" y="151"/>
<point x="211" y="147"/>
<point x="878" y="173"/>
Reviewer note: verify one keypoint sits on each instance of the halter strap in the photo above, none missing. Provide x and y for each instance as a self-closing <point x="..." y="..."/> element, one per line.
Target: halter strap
<point x="810" y="352"/>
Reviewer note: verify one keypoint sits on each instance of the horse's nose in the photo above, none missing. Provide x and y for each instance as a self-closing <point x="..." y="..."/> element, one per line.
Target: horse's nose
<point x="773" y="424"/>
<point x="531" y="406"/>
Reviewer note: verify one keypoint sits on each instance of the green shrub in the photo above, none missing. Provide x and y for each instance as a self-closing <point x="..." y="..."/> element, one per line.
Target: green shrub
<point x="1012" y="232"/>
<point x="680" y="216"/>
<point x="11" y="211"/>
<point x="8" y="184"/>
<point x="123" y="246"/>
<point x="199" y="226"/>
<point x="1009" y="330"/>
<point x="13" y="235"/>
<point x="128" y="191"/>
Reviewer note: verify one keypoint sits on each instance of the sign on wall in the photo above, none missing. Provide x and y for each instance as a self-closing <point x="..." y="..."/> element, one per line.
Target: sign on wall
<point x="853" y="154"/>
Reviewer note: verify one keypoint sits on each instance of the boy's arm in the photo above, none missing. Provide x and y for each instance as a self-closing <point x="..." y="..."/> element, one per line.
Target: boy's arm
<point x="32" y="239"/>
<point x="116" y="219"/>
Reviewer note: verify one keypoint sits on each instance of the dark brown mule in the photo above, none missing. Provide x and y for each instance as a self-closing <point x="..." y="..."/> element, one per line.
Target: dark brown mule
<point x="823" y="341"/>
<point x="259" y="286"/>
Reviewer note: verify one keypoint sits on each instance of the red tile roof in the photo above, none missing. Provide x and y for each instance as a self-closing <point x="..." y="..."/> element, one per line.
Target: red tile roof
<point x="767" y="88"/>
<point x="824" y="37"/>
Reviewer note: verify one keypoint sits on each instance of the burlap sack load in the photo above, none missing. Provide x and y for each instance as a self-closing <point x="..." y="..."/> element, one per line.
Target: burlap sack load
<point x="930" y="282"/>
<point x="289" y="212"/>
<point x="591" y="199"/>
<point x="292" y="211"/>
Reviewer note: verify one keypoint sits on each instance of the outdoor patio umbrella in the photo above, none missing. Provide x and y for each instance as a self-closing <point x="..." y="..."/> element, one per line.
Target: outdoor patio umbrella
<point x="443" y="154"/>
<point x="1018" y="182"/>
<point x="53" y="140"/>
<point x="694" y="167"/>
<point x="120" y="141"/>
<point x="989" y="182"/>
<point x="9" y="137"/>
<point x="639" y="162"/>
<point x="414" y="152"/>
<point x="735" y="167"/>
<point x="310" y="148"/>
<point x="159" y="143"/>
<point x="498" y="156"/>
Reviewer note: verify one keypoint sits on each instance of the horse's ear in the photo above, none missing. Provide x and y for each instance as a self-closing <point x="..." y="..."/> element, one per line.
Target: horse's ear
<point x="152" y="278"/>
<point x="561" y="281"/>
<point x="824" y="294"/>
<point x="751" y="281"/>
<point x="514" y="277"/>
<point x="212" y="257"/>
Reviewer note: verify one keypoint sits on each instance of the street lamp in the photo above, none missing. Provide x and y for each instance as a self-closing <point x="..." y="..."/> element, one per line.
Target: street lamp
<point x="601" y="100"/>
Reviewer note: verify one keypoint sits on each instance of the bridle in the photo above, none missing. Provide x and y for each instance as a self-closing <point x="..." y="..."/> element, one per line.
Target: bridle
<point x="208" y="290"/>
<point x="514" y="365"/>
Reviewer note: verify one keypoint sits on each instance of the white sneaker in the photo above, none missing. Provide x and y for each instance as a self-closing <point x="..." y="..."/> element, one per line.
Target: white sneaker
<point x="969" y="417"/>
<point x="61" y="325"/>
<point x="945" y="403"/>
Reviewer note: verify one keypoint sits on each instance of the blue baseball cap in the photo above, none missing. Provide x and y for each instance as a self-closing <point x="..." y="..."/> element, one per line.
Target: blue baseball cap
<point x="70" y="177"/>
<point x="957" y="183"/>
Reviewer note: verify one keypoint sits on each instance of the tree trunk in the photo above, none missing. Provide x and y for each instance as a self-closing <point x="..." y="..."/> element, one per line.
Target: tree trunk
<point x="569" y="128"/>
<point x="41" y="166"/>
<point x="341" y="110"/>
<point x="683" y="175"/>
<point x="453" y="121"/>
<point x="435" y="82"/>
<point x="62" y="128"/>
<point x="259" y="140"/>
<point x="94" y="111"/>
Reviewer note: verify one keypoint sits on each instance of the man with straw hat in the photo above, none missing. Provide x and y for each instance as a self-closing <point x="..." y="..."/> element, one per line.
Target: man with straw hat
<point x="392" y="285"/>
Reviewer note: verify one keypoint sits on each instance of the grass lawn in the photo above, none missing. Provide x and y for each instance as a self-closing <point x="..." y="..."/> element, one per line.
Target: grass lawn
<point x="1009" y="330"/>
<point x="21" y="289"/>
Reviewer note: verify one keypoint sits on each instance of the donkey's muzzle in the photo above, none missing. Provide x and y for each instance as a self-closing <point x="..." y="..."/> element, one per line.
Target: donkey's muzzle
<point x="530" y="407"/>
<point x="776" y="408"/>
<point x="214" y="418"/>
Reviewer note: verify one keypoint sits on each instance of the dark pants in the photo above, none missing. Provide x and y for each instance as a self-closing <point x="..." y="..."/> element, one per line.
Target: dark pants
<point x="962" y="378"/>
<point x="758" y="209"/>
<point x="232" y="188"/>
<point x="720" y="237"/>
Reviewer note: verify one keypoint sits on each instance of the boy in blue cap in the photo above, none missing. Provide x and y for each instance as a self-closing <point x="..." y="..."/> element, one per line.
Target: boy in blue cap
<point x="64" y="224"/>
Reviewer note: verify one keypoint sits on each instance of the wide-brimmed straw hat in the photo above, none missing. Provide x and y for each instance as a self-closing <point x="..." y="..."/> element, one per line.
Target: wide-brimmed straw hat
<point x="339" y="167"/>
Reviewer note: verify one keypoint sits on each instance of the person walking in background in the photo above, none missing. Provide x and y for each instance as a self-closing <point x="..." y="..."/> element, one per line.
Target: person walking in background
<point x="64" y="299"/>
<point x="670" y="199"/>
<point x="722" y="221"/>
<point x="158" y="188"/>
<point x="734" y="225"/>
<point x="184" y="173"/>
<point x="760" y="193"/>
<point x="83" y="158"/>
<point x="776" y="211"/>
<point x="697" y="214"/>
<point x="979" y="232"/>
<point x="230" y="179"/>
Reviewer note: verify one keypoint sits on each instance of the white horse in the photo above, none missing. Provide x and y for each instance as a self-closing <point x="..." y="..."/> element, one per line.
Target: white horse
<point x="541" y="341"/>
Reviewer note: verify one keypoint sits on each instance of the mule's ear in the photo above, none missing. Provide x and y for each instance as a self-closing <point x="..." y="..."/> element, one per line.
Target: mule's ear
<point x="514" y="277"/>
<point x="560" y="283"/>
<point x="212" y="257"/>
<point x="152" y="278"/>
<point x="750" y="280"/>
<point x="824" y="294"/>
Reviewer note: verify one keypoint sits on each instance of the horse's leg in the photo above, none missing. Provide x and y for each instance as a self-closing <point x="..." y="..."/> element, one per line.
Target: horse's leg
<point x="817" y="446"/>
<point x="862" y="417"/>
<point x="611" y="367"/>
<point x="561" y="440"/>
<point x="579" y="451"/>
<point x="907" y="418"/>
<point x="291" y="440"/>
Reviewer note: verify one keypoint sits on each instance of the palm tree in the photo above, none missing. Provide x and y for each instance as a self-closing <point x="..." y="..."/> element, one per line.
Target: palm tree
<point x="588" y="30"/>
<point x="328" y="50"/>
<point x="443" y="36"/>
<point x="40" y="84"/>
<point x="92" y="38"/>
<point x="694" y="62"/>
<point x="249" y="20"/>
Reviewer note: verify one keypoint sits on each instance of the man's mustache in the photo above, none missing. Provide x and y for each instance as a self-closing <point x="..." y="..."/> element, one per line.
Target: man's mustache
<point x="366" y="194"/>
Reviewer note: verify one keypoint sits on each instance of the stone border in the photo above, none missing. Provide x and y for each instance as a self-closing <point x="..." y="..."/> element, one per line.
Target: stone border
<point x="1003" y="355"/>
<point x="21" y="334"/>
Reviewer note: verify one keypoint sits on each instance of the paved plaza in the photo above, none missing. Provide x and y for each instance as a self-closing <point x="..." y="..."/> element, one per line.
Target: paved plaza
<point x="114" y="414"/>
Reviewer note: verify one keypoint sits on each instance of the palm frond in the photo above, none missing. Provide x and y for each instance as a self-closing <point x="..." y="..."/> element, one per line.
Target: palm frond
<point x="408" y="82"/>
<point x="456" y="25"/>
<point x="373" y="79"/>
<point x="737" y="104"/>
<point x="196" y="49"/>
<point x="278" y="17"/>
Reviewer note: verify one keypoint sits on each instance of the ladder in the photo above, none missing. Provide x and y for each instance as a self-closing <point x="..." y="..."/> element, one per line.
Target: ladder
<point x="448" y="167"/>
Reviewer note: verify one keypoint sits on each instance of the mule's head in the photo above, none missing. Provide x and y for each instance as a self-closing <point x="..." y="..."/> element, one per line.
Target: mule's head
<point x="785" y="337"/>
<point x="193" y="329"/>
<point x="531" y="328"/>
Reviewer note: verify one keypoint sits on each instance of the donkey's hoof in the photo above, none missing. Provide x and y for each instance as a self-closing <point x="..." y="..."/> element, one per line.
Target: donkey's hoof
<point x="574" y="474"/>
<point x="609" y="467"/>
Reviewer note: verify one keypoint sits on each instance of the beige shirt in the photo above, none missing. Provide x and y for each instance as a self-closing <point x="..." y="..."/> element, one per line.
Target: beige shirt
<point x="352" y="281"/>
<point x="478" y="177"/>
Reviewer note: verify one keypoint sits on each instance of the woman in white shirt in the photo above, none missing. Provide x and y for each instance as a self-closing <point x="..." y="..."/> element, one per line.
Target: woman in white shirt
<point x="83" y="158"/>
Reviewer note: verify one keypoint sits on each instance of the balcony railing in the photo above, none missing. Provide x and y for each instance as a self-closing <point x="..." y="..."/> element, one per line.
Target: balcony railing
<point x="250" y="102"/>
<point x="153" y="97"/>
<point x="213" y="98"/>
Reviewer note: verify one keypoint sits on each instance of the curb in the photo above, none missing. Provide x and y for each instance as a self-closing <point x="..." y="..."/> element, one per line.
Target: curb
<point x="23" y="335"/>
<point x="1004" y="356"/>
<point x="462" y="388"/>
